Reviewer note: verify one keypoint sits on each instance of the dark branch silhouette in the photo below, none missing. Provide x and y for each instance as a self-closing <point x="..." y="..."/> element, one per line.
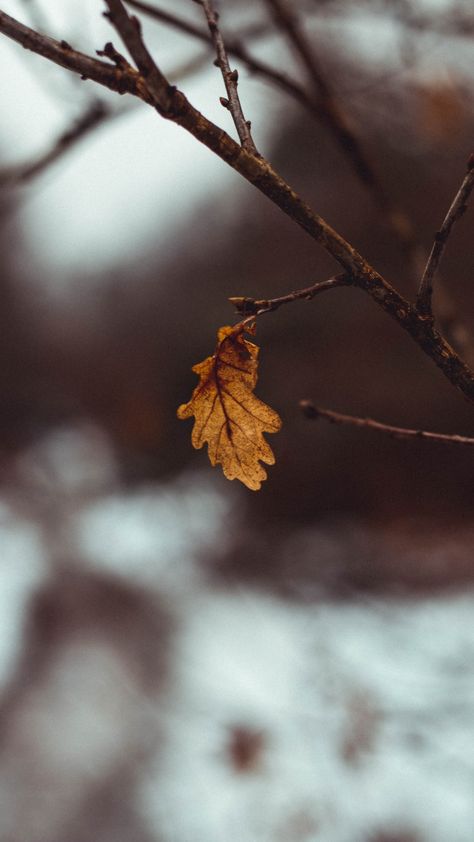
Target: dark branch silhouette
<point x="150" y="84"/>
<point x="321" y="103"/>
<point x="230" y="78"/>
<point x="455" y="212"/>
<point x="258" y="306"/>
<point x="314" y="412"/>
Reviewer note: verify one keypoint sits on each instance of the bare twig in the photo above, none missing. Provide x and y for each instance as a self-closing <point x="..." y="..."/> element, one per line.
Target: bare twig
<point x="455" y="212"/>
<point x="130" y="30"/>
<point x="153" y="88"/>
<point x="336" y="122"/>
<point x="321" y="106"/>
<point x="253" y="30"/>
<point x="238" y="50"/>
<point x="60" y="52"/>
<point x="288" y="23"/>
<point x="95" y="115"/>
<point x="258" y="306"/>
<point x="231" y="79"/>
<point x="315" y="412"/>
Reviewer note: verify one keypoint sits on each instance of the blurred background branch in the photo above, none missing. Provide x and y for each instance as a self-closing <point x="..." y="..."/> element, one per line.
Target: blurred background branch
<point x="178" y="659"/>
<point x="94" y="116"/>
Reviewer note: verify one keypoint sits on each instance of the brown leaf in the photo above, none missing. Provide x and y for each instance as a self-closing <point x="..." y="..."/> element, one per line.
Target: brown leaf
<point x="228" y="415"/>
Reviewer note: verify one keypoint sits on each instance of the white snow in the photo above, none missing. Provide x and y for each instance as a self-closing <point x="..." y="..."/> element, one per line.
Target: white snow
<point x="360" y="711"/>
<point x="396" y="680"/>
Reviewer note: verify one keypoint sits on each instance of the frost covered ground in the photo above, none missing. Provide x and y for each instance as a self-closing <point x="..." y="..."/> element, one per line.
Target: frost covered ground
<point x="365" y="713"/>
<point x="269" y="720"/>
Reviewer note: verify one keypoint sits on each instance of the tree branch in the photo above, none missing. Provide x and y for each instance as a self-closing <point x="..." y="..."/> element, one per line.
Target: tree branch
<point x="323" y="109"/>
<point x="336" y="122"/>
<point x="455" y="212"/>
<point x="152" y="87"/>
<point x="129" y="29"/>
<point x="237" y="49"/>
<point x="95" y="115"/>
<point x="287" y="21"/>
<point x="61" y="53"/>
<point x="315" y="412"/>
<point x="258" y="306"/>
<point x="231" y="78"/>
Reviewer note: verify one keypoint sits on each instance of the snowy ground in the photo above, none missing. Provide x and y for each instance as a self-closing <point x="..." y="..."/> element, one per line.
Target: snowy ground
<point x="336" y="721"/>
<point x="365" y="717"/>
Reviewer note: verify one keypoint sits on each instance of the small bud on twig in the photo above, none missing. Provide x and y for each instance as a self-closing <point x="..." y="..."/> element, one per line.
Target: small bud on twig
<point x="231" y="77"/>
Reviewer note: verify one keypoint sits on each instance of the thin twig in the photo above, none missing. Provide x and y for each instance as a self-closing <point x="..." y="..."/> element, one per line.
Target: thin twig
<point x="288" y="22"/>
<point x="61" y="53"/>
<point x="336" y="122"/>
<point x="455" y="212"/>
<point x="237" y="49"/>
<point x="258" y="306"/>
<point x="95" y="115"/>
<point x="315" y="412"/>
<point x="231" y="79"/>
<point x="321" y="107"/>
<point x="252" y="30"/>
<point x="154" y="89"/>
<point x="130" y="30"/>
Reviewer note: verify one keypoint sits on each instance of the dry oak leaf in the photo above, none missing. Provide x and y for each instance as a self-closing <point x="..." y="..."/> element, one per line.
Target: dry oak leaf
<point x="228" y="416"/>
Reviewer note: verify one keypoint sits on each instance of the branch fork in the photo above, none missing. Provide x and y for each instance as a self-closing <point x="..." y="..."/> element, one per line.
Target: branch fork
<point x="151" y="85"/>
